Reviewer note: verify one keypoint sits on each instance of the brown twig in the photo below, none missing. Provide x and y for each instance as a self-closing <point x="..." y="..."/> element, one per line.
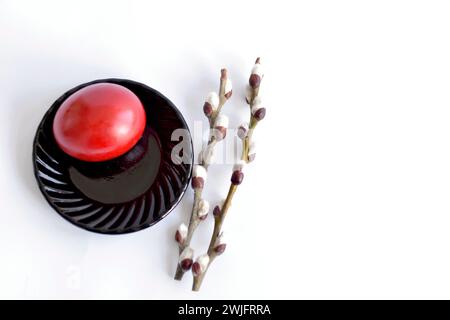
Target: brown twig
<point x="216" y="247"/>
<point x="218" y="127"/>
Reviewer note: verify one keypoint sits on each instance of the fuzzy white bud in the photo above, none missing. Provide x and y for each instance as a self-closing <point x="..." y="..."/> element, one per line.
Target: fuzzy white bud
<point x="220" y="127"/>
<point x="221" y="121"/>
<point x="186" y="257"/>
<point x="256" y="108"/>
<point x="200" y="264"/>
<point x="187" y="253"/>
<point x="200" y="172"/>
<point x="203" y="209"/>
<point x="239" y="166"/>
<point x="258" y="111"/>
<point x="218" y="208"/>
<point x="256" y="75"/>
<point x="220" y="244"/>
<point x="252" y="151"/>
<point x="220" y="239"/>
<point x="203" y="260"/>
<point x="243" y="130"/>
<point x="212" y="157"/>
<point x="207" y="155"/>
<point x="213" y="99"/>
<point x="258" y="70"/>
<point x="257" y="101"/>
<point x="228" y="86"/>
<point x="248" y="94"/>
<point x="183" y="229"/>
<point x="181" y="233"/>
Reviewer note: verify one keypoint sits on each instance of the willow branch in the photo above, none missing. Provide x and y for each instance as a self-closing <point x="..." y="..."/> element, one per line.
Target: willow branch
<point x="218" y="125"/>
<point x="217" y="245"/>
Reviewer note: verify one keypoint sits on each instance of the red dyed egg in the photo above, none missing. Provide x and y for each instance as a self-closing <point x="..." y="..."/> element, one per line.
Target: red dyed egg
<point x="99" y="122"/>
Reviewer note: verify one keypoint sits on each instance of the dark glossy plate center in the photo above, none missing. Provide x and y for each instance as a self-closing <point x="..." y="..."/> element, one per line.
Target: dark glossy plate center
<point x="107" y="183"/>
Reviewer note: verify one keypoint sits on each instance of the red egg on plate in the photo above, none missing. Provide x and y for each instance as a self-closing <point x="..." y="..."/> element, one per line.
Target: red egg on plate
<point x="99" y="122"/>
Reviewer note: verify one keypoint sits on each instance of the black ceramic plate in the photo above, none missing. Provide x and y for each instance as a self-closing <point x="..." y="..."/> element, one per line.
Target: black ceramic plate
<point x="125" y="194"/>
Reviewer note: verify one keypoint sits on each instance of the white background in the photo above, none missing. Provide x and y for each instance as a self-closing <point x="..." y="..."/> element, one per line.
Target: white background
<point x="349" y="193"/>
